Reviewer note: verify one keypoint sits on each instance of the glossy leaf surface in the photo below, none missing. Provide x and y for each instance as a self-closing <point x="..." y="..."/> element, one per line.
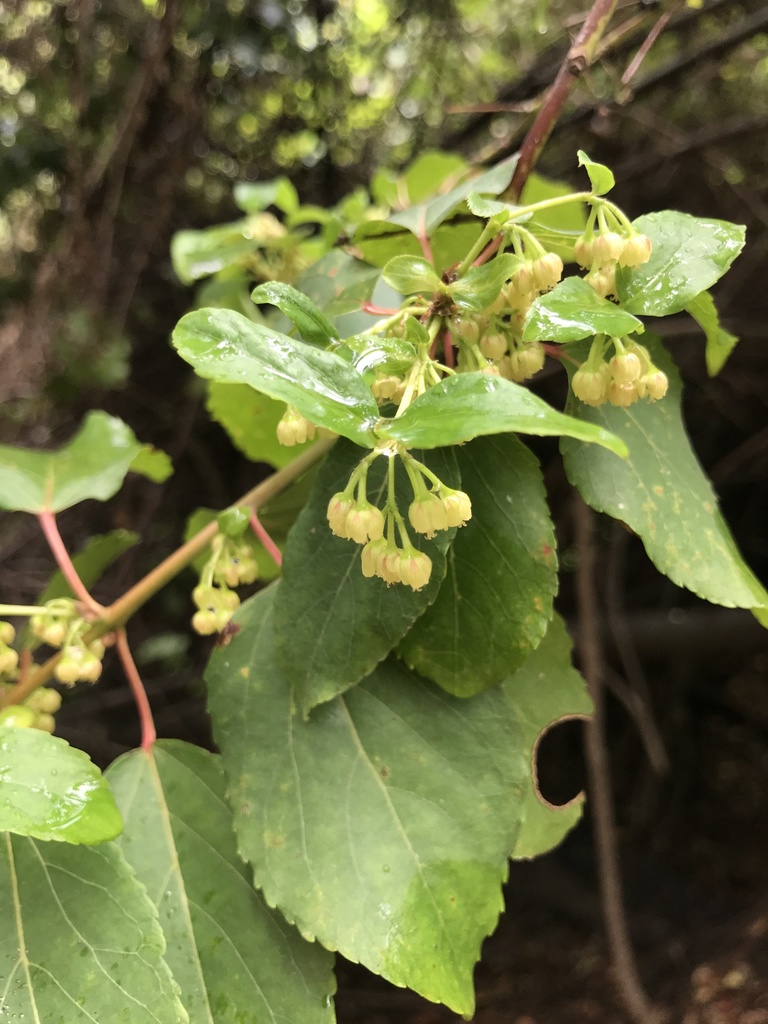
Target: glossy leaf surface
<point x="197" y="254"/>
<point x="496" y="600"/>
<point x="720" y="343"/>
<point x="385" y="821"/>
<point x="477" y="289"/>
<point x="408" y="274"/>
<point x="224" y="346"/>
<point x="53" y="791"/>
<point x="473" y="404"/>
<point x="233" y="958"/>
<point x="338" y="283"/>
<point x="689" y="254"/>
<point x="250" y="419"/>
<point x="573" y="310"/>
<point x="332" y="625"/>
<point x="80" y="940"/>
<point x="661" y="492"/>
<point x="311" y="324"/>
<point x="92" y="465"/>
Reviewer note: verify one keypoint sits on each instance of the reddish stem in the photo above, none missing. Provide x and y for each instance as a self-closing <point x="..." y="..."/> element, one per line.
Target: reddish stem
<point x="272" y="549"/>
<point x="368" y="307"/>
<point x="448" y="355"/>
<point x="421" y="234"/>
<point x="148" y="732"/>
<point x="642" y="53"/>
<point x="556" y="352"/>
<point x="56" y="544"/>
<point x="577" y="60"/>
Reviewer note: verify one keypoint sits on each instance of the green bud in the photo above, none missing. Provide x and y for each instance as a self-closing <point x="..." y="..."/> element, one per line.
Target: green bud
<point x="17" y="716"/>
<point x="7" y="633"/>
<point x="9" y="660"/>
<point x="44" y="700"/>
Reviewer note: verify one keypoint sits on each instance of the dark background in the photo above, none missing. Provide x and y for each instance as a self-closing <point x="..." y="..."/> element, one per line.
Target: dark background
<point x="122" y="122"/>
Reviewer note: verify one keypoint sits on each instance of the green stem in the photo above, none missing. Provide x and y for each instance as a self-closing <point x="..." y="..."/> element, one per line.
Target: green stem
<point x="20" y="609"/>
<point x="489" y="231"/>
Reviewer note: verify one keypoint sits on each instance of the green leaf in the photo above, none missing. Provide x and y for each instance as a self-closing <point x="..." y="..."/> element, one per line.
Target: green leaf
<point x="547" y="690"/>
<point x="223" y="345"/>
<point x="424" y="218"/>
<point x="255" y="196"/>
<point x="473" y="404"/>
<point x="429" y="172"/>
<point x="80" y="940"/>
<point x="496" y="600"/>
<point x="92" y="465"/>
<point x="482" y="207"/>
<point x="600" y="177"/>
<point x="250" y="419"/>
<point x="332" y="625"/>
<point x="53" y="791"/>
<point x="370" y="354"/>
<point x="689" y="254"/>
<point x="300" y="310"/>
<point x="233" y="958"/>
<point x="380" y="241"/>
<point x="720" y="343"/>
<point x="478" y="288"/>
<point x="338" y="283"/>
<point x="662" y="494"/>
<point x="152" y="463"/>
<point x="573" y="310"/>
<point x="408" y="274"/>
<point x="197" y="254"/>
<point x="384" y="822"/>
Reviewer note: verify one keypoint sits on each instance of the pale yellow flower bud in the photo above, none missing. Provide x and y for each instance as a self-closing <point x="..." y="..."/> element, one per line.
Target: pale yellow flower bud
<point x="637" y="250"/>
<point x="626" y="368"/>
<point x="428" y="514"/>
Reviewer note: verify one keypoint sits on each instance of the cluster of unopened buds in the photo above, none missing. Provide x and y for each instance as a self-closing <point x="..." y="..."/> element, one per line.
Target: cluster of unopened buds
<point x="628" y="376"/>
<point x="434" y="507"/>
<point x="293" y="428"/>
<point x="232" y="563"/>
<point x="61" y="624"/>
<point x="602" y="251"/>
<point x="36" y="711"/>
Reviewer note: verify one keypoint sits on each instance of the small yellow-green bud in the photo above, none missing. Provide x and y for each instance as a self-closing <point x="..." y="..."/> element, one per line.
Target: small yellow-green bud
<point x="9" y="660"/>
<point x="7" y="633"/>
<point x="603" y="280"/>
<point x="205" y="622"/>
<point x="428" y="514"/>
<point x="493" y="346"/>
<point x="622" y="395"/>
<point x="458" y="507"/>
<point x="522" y="363"/>
<point x="547" y="271"/>
<point x="626" y="368"/>
<point x="365" y="522"/>
<point x="468" y="330"/>
<point x="414" y="569"/>
<point x="607" y="247"/>
<point x="653" y="385"/>
<point x="371" y="557"/>
<point x="339" y="508"/>
<point x="294" y="428"/>
<point x="44" y="700"/>
<point x="636" y="250"/>
<point x="583" y="251"/>
<point x="18" y="716"/>
<point x="45" y="722"/>
<point x="590" y="386"/>
<point x="387" y="388"/>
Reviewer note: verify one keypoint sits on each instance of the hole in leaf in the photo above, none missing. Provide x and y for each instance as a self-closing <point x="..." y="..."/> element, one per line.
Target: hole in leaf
<point x="559" y="762"/>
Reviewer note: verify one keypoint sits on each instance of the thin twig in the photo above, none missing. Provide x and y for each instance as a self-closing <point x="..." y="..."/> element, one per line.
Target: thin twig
<point x="577" y="60"/>
<point x="148" y="732"/>
<point x="598" y="772"/>
<point x="271" y="548"/>
<point x="634" y="65"/>
<point x="47" y="522"/>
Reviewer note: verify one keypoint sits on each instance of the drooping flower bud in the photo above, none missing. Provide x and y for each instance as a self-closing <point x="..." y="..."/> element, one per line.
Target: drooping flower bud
<point x="294" y="428"/>
<point x="458" y="507"/>
<point x="17" y="716"/>
<point x="625" y="368"/>
<point x="9" y="660"/>
<point x="522" y="363"/>
<point x="583" y="251"/>
<point x="7" y="633"/>
<point x="603" y="280"/>
<point x="653" y="385"/>
<point x="45" y="722"/>
<point x="365" y="522"/>
<point x="547" y="271"/>
<point x="637" y="250"/>
<point x="493" y="346"/>
<point x="468" y="330"/>
<point x="44" y="700"/>
<point x="414" y="569"/>
<point x="428" y="514"/>
<point x="339" y="508"/>
<point x="607" y="247"/>
<point x="622" y="395"/>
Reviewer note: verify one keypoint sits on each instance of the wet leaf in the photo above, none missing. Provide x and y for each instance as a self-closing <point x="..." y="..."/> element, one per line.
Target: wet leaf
<point x="573" y="310"/>
<point x="473" y="404"/>
<point x="311" y="324"/>
<point x="53" y="791"/>
<point x="224" y="346"/>
<point x="233" y="958"/>
<point x="720" y="343"/>
<point x="478" y="288"/>
<point x="80" y="940"/>
<point x="661" y="493"/>
<point x="601" y="177"/>
<point x="408" y="274"/>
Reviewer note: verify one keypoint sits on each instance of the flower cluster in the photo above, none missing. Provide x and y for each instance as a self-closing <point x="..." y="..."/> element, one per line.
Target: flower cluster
<point x="628" y="376"/>
<point x="61" y="624"/>
<point x="36" y="712"/>
<point x="602" y="251"/>
<point x="435" y="507"/>
<point x="215" y="606"/>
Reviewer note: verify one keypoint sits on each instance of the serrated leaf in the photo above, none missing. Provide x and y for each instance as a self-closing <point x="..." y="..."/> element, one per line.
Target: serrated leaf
<point x="223" y="345"/>
<point x="546" y="690"/>
<point x="478" y="288"/>
<point x="424" y="218"/>
<point x="689" y="254"/>
<point x="482" y="207"/>
<point x="233" y="958"/>
<point x="92" y="465"/>
<point x="495" y="603"/>
<point x="385" y="821"/>
<point x="408" y="274"/>
<point x="474" y="404"/>
<point x="255" y="196"/>
<point x="152" y="463"/>
<point x="332" y="625"/>
<point x="573" y="310"/>
<point x="80" y="940"/>
<point x="661" y="493"/>
<point x="53" y="791"/>
<point x="720" y="343"/>
<point x="311" y="324"/>
<point x="601" y="177"/>
<point x="250" y="419"/>
<point x="338" y="283"/>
